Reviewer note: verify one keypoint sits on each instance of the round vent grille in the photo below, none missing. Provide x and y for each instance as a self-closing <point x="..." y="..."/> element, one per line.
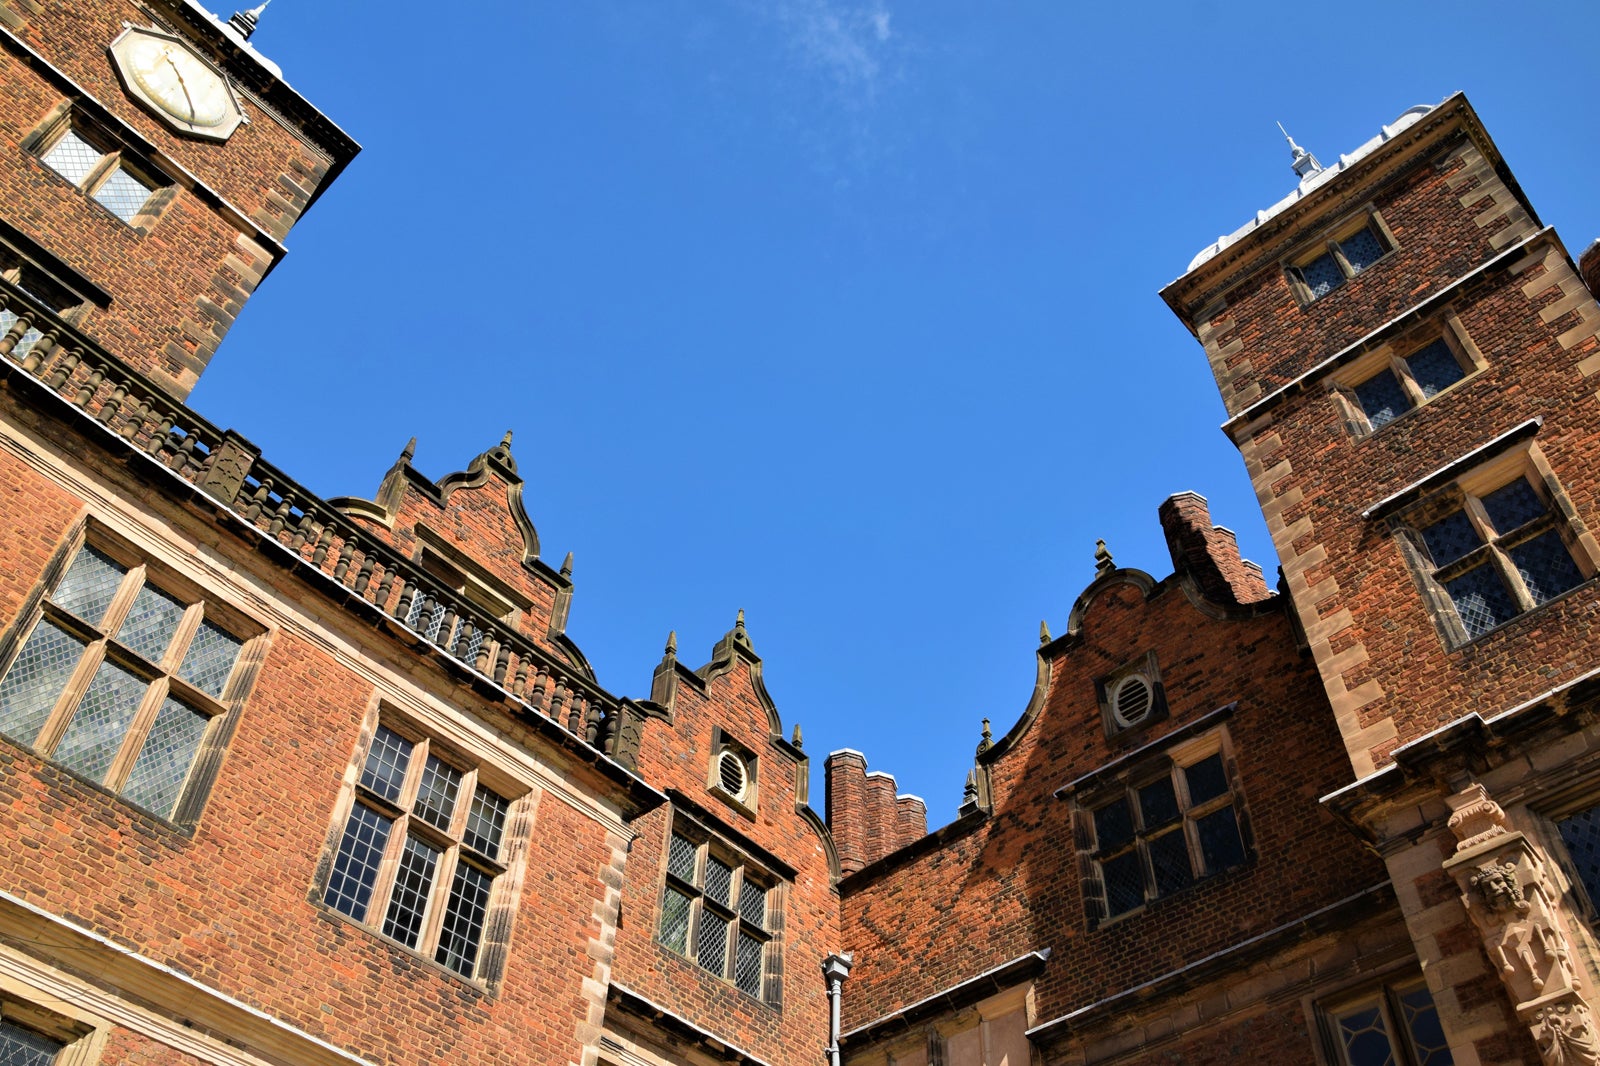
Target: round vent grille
<point x="1131" y="702"/>
<point x="731" y="774"/>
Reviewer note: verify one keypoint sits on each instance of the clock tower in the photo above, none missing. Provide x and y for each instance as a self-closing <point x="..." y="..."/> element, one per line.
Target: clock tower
<point x="164" y="159"/>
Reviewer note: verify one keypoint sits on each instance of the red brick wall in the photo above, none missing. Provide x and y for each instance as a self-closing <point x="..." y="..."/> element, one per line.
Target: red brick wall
<point x="176" y="289"/>
<point x="1013" y="885"/>
<point x="677" y="755"/>
<point x="237" y="904"/>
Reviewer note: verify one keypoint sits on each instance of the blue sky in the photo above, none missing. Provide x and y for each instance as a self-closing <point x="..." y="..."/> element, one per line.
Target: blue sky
<point x="841" y="312"/>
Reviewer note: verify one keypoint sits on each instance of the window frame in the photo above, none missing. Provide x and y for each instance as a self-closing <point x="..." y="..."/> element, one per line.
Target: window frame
<point x="114" y="156"/>
<point x="1389" y="358"/>
<point x="80" y="1040"/>
<point x="1465" y="495"/>
<point x="1331" y="243"/>
<point x="404" y="822"/>
<point x="1386" y="995"/>
<point x="1172" y="765"/>
<point x="100" y="644"/>
<point x="744" y="871"/>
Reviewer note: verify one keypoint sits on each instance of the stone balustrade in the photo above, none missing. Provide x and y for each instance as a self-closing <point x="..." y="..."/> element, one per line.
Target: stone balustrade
<point x="229" y="469"/>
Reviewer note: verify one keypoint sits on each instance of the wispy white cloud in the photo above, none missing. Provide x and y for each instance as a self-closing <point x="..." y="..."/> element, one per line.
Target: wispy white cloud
<point x="846" y="42"/>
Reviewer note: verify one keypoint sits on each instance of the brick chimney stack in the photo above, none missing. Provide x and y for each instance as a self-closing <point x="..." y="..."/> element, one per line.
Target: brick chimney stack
<point x="1207" y="553"/>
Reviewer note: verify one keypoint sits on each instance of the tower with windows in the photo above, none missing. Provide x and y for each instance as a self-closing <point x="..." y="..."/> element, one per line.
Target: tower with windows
<point x="1405" y="355"/>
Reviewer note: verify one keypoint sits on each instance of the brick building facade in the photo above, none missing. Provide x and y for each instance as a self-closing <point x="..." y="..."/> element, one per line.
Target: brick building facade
<point x="298" y="780"/>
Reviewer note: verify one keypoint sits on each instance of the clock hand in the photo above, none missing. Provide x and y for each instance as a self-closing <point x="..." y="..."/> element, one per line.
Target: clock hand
<point x="181" y="83"/>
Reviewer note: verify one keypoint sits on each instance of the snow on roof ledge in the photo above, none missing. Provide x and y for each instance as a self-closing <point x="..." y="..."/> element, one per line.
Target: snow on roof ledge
<point x="1315" y="180"/>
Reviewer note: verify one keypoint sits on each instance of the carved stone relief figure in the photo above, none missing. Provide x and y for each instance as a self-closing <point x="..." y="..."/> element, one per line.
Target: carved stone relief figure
<point x="1507" y="891"/>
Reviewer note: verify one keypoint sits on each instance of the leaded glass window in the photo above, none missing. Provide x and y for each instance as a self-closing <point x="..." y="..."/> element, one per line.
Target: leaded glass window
<point x="1496" y="554"/>
<point x="418" y="860"/>
<point x="1392" y="1025"/>
<point x="1409" y="381"/>
<point x="122" y="680"/>
<point x="103" y="175"/>
<point x="717" y="911"/>
<point x="1336" y="261"/>
<point x="1160" y="831"/>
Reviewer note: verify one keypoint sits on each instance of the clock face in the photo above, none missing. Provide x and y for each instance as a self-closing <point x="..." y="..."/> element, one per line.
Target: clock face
<point x="183" y="88"/>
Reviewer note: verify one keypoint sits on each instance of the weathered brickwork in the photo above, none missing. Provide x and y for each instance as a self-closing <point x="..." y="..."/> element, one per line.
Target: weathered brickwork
<point x="1013" y="882"/>
<point x="180" y="276"/>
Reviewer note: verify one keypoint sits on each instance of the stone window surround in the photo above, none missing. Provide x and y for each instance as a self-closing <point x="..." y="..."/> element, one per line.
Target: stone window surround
<point x="1321" y="1008"/>
<point x="116" y="154"/>
<point x="1105" y="688"/>
<point x="494" y="943"/>
<point x="711" y="845"/>
<point x="1391" y="355"/>
<point x="745" y="802"/>
<point x="1494" y="472"/>
<point x="163" y="574"/>
<point x="81" y="1035"/>
<point x="1183" y="747"/>
<point x="1325" y="242"/>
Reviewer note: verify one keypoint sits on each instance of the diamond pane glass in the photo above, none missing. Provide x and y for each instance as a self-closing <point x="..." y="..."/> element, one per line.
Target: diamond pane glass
<point x="1435" y="367"/>
<point x="1545" y="565"/>
<point x="385" y="770"/>
<point x="123" y="195"/>
<point x="163" y="763"/>
<point x="753" y="904"/>
<point x="1361" y="250"/>
<point x="413" y="882"/>
<point x="1364" y="1038"/>
<point x="1124" y="882"/>
<point x="97" y="728"/>
<point x="747" y="965"/>
<point x="1382" y="399"/>
<point x="1169" y="861"/>
<point x="436" y="796"/>
<point x="426" y="615"/>
<point x="1421" y="1020"/>
<point x="1158" y="803"/>
<point x="19" y="1047"/>
<point x="72" y="157"/>
<point x="88" y="585"/>
<point x="1220" y="845"/>
<point x="486" y="821"/>
<point x="680" y="857"/>
<point x="469" y="654"/>
<point x="1450" y="538"/>
<point x="675" y="921"/>
<point x="1113" y="825"/>
<point x="1206" y="779"/>
<point x="719" y="880"/>
<point x="34" y="683"/>
<point x="711" y="949"/>
<point x="1514" y="506"/>
<point x="1581" y="834"/>
<point x="151" y="622"/>
<point x="463" y="919"/>
<point x="1481" y="600"/>
<point x="1322" y="275"/>
<point x="355" y="868"/>
<point x="210" y="658"/>
<point x="25" y="343"/>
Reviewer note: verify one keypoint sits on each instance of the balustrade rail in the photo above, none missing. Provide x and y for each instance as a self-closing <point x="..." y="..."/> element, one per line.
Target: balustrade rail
<point x="229" y="469"/>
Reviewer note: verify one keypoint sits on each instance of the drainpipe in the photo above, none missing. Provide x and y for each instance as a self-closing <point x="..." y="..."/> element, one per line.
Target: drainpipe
<point x="835" y="968"/>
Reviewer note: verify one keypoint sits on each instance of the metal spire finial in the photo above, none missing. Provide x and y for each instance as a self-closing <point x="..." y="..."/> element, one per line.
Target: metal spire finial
<point x="245" y="21"/>
<point x="1305" y="164"/>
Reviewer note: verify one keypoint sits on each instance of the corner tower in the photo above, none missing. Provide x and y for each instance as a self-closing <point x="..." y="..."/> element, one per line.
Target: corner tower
<point x="163" y="161"/>
<point x="1406" y="356"/>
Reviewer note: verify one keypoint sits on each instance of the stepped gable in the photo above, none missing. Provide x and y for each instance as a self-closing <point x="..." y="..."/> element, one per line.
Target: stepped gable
<point x="1014" y="887"/>
<point x="711" y="739"/>
<point x="471" y="531"/>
